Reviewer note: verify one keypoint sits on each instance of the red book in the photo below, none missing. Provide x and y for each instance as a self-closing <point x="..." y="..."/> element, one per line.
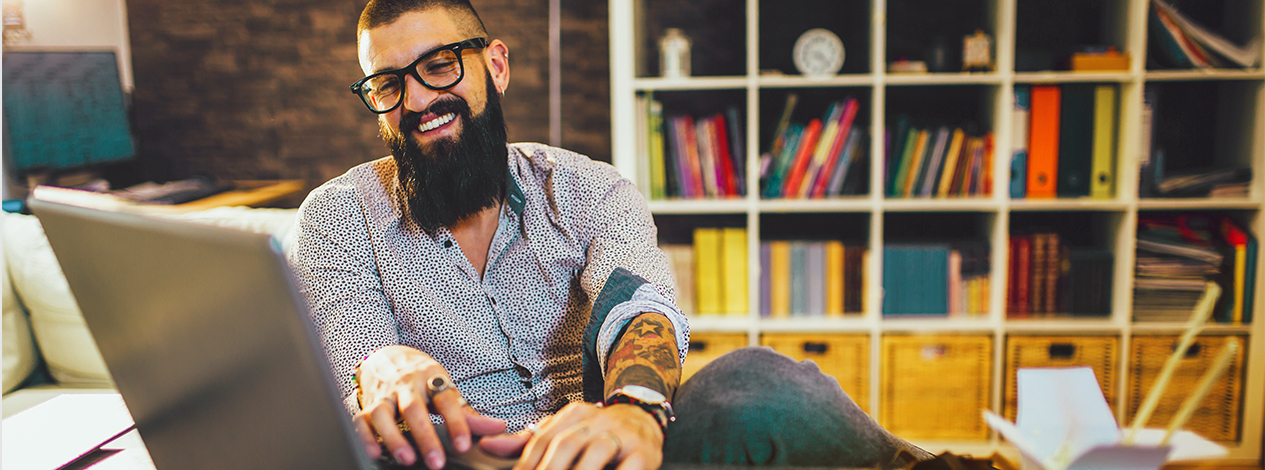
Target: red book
<point x="790" y="187"/>
<point x="691" y="149"/>
<point x="721" y="135"/>
<point x="1023" y="271"/>
<point x="845" y="126"/>
<point x="1043" y="142"/>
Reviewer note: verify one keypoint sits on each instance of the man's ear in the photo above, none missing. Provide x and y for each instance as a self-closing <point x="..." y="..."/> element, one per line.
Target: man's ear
<point x="497" y="56"/>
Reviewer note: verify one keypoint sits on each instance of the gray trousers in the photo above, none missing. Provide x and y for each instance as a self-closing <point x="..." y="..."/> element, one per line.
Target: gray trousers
<point x="755" y="406"/>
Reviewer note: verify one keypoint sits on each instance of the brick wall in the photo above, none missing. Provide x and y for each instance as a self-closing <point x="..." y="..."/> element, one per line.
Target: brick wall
<point x="258" y="89"/>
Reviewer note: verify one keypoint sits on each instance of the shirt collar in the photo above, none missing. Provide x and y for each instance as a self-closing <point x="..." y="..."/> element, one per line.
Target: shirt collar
<point x="513" y="193"/>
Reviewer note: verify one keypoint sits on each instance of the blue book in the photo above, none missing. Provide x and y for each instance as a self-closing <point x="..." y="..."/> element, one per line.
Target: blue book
<point x="816" y="277"/>
<point x="799" y="279"/>
<point x="1020" y="121"/>
<point x="916" y="279"/>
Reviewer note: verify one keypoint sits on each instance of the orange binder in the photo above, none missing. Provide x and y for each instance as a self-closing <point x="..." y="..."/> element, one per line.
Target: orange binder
<point x="1043" y="144"/>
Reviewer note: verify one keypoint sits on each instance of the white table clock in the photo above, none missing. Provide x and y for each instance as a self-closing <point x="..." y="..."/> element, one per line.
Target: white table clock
<point x="818" y="53"/>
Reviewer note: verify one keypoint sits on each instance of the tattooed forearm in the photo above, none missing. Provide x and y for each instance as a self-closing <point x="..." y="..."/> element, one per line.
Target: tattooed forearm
<point x="645" y="355"/>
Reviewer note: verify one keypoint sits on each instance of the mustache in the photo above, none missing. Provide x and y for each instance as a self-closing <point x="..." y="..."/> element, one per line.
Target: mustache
<point x="410" y="120"/>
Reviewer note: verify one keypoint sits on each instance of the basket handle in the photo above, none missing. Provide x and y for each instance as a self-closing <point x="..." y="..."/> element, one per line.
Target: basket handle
<point x="816" y="348"/>
<point x="1062" y="350"/>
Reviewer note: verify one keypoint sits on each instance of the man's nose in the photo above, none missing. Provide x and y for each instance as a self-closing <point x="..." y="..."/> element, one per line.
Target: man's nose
<point x="416" y="96"/>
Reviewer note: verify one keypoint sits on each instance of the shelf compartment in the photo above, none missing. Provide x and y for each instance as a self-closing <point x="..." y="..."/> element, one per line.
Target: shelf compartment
<point x="922" y="123"/>
<point x="1048" y="33"/>
<point x="717" y="31"/>
<point x="1201" y="126"/>
<point x="1097" y="352"/>
<point x="1217" y="417"/>
<point x="780" y="27"/>
<point x="844" y="357"/>
<point x="1062" y="265"/>
<point x="696" y="273"/>
<point x="932" y="30"/>
<point x="796" y="164"/>
<point x="934" y="386"/>
<point x="813" y="266"/>
<point x="700" y="138"/>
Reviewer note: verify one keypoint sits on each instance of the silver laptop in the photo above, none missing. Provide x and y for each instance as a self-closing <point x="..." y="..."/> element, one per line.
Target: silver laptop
<point x="209" y="342"/>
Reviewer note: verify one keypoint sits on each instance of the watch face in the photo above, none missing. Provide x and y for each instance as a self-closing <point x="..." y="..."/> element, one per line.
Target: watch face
<point x="818" y="52"/>
<point x="643" y="394"/>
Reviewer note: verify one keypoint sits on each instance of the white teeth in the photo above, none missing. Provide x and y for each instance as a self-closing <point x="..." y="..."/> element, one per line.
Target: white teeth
<point x="439" y="121"/>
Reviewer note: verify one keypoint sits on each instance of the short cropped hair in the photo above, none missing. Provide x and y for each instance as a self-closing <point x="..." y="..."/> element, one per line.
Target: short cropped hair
<point x="383" y="12"/>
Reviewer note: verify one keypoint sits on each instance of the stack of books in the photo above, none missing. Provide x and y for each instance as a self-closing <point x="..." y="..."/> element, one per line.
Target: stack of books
<point x="690" y="157"/>
<point x="1185" y="44"/>
<point x="938" y="162"/>
<point x="1176" y="257"/>
<point x="1048" y="278"/>
<point x="711" y="274"/>
<point x="936" y="279"/>
<point x="825" y="157"/>
<point x="811" y="278"/>
<point x="1064" y="141"/>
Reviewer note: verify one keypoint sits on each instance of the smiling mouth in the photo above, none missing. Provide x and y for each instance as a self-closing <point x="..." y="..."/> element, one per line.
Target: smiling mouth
<point x="437" y="122"/>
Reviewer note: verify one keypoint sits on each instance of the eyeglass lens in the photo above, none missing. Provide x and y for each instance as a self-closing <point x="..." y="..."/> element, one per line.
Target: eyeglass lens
<point x="440" y="69"/>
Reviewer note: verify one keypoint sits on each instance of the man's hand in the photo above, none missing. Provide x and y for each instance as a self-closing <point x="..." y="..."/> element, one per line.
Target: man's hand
<point x="585" y="437"/>
<point x="394" y="383"/>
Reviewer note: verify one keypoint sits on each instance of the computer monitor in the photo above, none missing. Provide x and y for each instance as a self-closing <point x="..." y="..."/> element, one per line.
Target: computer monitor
<point x="63" y="110"/>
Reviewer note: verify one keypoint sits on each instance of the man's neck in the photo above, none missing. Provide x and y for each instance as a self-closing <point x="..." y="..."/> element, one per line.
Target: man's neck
<point x="475" y="233"/>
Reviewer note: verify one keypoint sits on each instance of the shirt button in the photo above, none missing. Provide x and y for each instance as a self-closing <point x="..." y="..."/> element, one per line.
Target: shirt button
<point x="447" y="243"/>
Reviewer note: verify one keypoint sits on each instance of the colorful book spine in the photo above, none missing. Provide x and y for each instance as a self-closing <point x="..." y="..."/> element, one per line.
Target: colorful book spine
<point x="950" y="163"/>
<point x="780" y="279"/>
<point x="1020" y="120"/>
<point x="766" y="280"/>
<point x="1043" y="142"/>
<point x="835" y="278"/>
<point x="707" y="264"/>
<point x="733" y="273"/>
<point x="1102" y="184"/>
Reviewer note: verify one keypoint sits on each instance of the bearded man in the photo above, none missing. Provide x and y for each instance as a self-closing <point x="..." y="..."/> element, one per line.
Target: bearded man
<point x="517" y="288"/>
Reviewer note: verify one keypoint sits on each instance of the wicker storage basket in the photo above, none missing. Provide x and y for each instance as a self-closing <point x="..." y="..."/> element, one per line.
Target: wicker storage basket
<point x="705" y="347"/>
<point x="1098" y="352"/>
<point x="845" y="357"/>
<point x="1217" y="417"/>
<point x="933" y="387"/>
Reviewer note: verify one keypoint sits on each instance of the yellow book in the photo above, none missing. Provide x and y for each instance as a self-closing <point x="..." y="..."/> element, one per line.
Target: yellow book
<point x="1102" y="183"/>
<point x="707" y="271"/>
<point x="915" y="165"/>
<point x="865" y="281"/>
<point x="733" y="271"/>
<point x="951" y="162"/>
<point x="1240" y="273"/>
<point x="834" y="278"/>
<point x="779" y="279"/>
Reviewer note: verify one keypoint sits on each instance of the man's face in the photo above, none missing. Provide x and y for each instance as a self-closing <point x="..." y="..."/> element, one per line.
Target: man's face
<point x="399" y="43"/>
<point x="449" y="145"/>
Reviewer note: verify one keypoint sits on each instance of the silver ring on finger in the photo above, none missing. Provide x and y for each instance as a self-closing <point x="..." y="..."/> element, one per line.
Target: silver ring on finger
<point x="614" y="439"/>
<point x="437" y="384"/>
<point x="533" y="428"/>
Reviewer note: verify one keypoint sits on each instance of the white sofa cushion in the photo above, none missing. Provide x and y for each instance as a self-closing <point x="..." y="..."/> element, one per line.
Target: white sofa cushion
<point x="20" y="356"/>
<point x="58" y="325"/>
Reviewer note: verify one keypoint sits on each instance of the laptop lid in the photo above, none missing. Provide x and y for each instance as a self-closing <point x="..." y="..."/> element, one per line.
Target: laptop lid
<point x="206" y="337"/>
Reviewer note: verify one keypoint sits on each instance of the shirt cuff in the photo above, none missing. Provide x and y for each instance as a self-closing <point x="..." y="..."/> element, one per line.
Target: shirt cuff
<point x="645" y="299"/>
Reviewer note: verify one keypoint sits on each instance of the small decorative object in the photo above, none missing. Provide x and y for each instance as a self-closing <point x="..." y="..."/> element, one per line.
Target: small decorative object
<point x="904" y="65"/>
<point x="1100" y="59"/>
<point x="818" y="53"/>
<point x="938" y="55"/>
<point x="674" y="54"/>
<point x="977" y="52"/>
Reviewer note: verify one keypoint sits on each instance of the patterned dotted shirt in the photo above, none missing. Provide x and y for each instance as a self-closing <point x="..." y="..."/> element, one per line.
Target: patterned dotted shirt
<point x="511" y="340"/>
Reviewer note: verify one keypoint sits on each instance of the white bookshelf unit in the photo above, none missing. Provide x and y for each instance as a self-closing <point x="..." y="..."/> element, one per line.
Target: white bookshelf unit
<point x="1240" y="139"/>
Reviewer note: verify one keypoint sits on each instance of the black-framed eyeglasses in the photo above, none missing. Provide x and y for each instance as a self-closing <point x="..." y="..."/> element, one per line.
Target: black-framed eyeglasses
<point x="439" y="69"/>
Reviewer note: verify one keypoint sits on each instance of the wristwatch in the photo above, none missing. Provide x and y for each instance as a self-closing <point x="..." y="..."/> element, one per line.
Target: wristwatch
<point x="647" y="399"/>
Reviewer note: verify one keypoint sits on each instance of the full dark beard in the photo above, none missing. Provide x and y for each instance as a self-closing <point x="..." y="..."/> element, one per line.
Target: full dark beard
<point x="451" y="180"/>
